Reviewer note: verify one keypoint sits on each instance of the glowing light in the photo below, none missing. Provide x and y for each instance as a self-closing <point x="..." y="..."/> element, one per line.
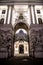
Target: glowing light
<point x="22" y="30"/>
<point x="16" y="49"/>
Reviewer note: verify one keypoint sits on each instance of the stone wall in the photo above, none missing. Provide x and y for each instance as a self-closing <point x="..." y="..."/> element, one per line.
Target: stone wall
<point x="35" y="37"/>
<point x="36" y="40"/>
<point x="5" y="40"/>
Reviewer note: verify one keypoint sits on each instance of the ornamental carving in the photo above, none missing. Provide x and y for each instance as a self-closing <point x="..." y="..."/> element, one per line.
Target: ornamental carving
<point x="36" y="41"/>
<point x="5" y="41"/>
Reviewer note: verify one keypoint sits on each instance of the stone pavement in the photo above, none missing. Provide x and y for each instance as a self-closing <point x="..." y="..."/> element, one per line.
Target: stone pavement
<point x="29" y="61"/>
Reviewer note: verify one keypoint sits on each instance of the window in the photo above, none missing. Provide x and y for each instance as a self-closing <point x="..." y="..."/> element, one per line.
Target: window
<point x="2" y="21"/>
<point x="40" y="20"/>
<point x="38" y="11"/>
<point x="3" y="11"/>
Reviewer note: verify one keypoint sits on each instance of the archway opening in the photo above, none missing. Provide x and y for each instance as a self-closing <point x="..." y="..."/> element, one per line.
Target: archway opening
<point x="21" y="44"/>
<point x="21" y="49"/>
<point x="21" y="25"/>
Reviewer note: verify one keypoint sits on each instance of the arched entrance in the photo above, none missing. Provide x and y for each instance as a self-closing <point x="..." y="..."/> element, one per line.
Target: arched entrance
<point x="21" y="40"/>
<point x="21" y="49"/>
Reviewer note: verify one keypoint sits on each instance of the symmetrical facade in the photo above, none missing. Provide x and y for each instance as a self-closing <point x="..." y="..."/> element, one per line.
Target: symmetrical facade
<point x="26" y="16"/>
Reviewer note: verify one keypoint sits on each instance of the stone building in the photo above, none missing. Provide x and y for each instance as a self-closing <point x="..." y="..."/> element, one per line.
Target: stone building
<point x="21" y="28"/>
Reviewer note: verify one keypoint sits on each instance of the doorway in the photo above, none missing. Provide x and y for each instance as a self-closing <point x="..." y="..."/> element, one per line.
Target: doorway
<point x="21" y="49"/>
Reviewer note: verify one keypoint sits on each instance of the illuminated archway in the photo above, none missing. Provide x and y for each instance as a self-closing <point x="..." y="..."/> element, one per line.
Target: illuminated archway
<point x="22" y="25"/>
<point x="21" y="39"/>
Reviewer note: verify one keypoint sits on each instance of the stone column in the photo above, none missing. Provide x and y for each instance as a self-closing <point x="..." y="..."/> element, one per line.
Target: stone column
<point x="28" y="42"/>
<point x="32" y="15"/>
<point x="11" y="14"/>
<point x="7" y="15"/>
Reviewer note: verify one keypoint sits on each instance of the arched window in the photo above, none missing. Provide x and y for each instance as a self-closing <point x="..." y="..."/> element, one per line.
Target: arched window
<point x="40" y="20"/>
<point x="2" y="21"/>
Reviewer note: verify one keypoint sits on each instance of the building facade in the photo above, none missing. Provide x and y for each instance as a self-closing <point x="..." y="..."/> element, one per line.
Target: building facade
<point x="26" y="16"/>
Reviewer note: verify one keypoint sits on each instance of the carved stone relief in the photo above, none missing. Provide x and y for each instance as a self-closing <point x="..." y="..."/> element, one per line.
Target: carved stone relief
<point x="5" y="41"/>
<point x="36" y="42"/>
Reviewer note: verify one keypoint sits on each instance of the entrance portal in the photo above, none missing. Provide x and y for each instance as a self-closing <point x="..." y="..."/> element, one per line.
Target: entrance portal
<point x="21" y="48"/>
<point x="21" y="44"/>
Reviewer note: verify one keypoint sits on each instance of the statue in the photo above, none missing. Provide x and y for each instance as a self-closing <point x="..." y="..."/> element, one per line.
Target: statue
<point x="21" y="16"/>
